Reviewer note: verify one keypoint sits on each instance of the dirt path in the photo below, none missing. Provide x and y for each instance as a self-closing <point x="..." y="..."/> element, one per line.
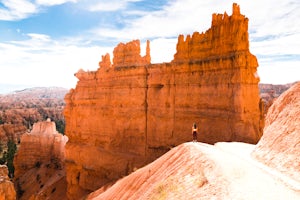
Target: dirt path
<point x="247" y="178"/>
<point x="194" y="170"/>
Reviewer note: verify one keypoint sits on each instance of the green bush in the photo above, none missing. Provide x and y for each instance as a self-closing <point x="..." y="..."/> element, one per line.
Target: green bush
<point x="8" y="157"/>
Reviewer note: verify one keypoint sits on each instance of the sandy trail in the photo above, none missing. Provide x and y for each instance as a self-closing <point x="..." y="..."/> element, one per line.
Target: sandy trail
<point x="201" y="171"/>
<point x="247" y="178"/>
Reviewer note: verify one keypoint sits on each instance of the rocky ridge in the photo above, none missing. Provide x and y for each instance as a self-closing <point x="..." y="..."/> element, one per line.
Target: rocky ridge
<point x="130" y="112"/>
<point x="39" y="163"/>
<point x="279" y="146"/>
<point x="201" y="171"/>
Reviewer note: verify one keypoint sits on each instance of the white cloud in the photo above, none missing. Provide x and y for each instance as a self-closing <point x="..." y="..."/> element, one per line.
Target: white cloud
<point x="274" y="29"/>
<point x="53" y="2"/>
<point x="20" y="9"/>
<point x="161" y="49"/>
<point x="46" y="62"/>
<point x="107" y="5"/>
<point x="279" y="72"/>
<point x="273" y="25"/>
<point x="17" y="9"/>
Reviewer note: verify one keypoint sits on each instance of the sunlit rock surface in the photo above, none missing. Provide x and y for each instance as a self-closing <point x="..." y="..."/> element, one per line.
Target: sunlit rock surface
<point x="197" y="170"/>
<point x="39" y="163"/>
<point x="129" y="112"/>
<point x="7" y="190"/>
<point x="279" y="146"/>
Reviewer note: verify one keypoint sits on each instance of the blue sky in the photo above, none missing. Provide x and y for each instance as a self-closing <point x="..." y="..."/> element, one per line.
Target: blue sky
<point x="44" y="42"/>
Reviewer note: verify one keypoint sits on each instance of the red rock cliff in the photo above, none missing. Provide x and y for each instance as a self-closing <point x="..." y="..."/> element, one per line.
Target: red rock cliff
<point x="128" y="113"/>
<point x="39" y="163"/>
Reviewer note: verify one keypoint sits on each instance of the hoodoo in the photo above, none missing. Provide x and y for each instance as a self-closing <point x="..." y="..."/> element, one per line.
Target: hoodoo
<point x="39" y="163"/>
<point x="129" y="112"/>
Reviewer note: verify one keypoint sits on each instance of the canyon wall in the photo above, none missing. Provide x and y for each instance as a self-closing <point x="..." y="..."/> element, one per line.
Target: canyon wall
<point x="39" y="163"/>
<point x="129" y="112"/>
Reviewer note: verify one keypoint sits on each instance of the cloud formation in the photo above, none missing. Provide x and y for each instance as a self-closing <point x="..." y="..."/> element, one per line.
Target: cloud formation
<point x="53" y="2"/>
<point x="274" y="32"/>
<point x="16" y="9"/>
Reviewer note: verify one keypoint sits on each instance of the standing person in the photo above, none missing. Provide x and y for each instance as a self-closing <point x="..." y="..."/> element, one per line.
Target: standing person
<point x="194" y="131"/>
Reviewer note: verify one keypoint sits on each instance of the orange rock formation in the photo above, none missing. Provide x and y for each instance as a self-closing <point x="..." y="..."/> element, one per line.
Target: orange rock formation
<point x="279" y="146"/>
<point x="128" y="113"/>
<point x="39" y="162"/>
<point x="7" y="190"/>
<point x="11" y="132"/>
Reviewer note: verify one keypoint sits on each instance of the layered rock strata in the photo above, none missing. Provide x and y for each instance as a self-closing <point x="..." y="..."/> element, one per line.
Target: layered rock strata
<point x="129" y="112"/>
<point x="7" y="190"/>
<point x="279" y="146"/>
<point x="11" y="132"/>
<point x="39" y="162"/>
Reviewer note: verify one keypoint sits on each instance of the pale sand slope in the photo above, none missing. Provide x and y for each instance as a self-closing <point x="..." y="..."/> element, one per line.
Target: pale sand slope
<point x="202" y="171"/>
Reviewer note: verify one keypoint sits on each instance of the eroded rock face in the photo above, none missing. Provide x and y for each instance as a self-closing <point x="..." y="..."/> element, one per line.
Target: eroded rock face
<point x="128" y="113"/>
<point x="7" y="190"/>
<point x="279" y="145"/>
<point x="39" y="162"/>
<point x="129" y="54"/>
<point x="11" y="132"/>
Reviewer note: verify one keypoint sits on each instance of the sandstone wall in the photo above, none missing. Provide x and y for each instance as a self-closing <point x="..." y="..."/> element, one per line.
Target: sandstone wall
<point x="39" y="146"/>
<point x="39" y="162"/>
<point x="7" y="190"/>
<point x="128" y="113"/>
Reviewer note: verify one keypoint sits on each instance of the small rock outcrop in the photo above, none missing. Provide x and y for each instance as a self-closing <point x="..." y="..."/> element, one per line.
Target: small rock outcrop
<point x="39" y="162"/>
<point x="129" y="112"/>
<point x="280" y="143"/>
<point x="7" y="190"/>
<point x="129" y="54"/>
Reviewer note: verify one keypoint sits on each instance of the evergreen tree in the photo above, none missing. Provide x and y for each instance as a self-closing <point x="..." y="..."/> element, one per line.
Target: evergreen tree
<point x="11" y="150"/>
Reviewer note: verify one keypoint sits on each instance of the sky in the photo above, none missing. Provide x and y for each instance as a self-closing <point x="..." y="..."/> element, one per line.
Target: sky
<point x="44" y="42"/>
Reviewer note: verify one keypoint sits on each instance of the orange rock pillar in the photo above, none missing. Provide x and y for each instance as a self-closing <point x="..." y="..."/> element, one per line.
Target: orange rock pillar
<point x="128" y="113"/>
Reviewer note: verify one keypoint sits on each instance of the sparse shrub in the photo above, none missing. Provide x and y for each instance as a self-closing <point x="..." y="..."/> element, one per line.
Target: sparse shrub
<point x="60" y="126"/>
<point x="20" y="192"/>
<point x="11" y="150"/>
<point x="38" y="164"/>
<point x="38" y="177"/>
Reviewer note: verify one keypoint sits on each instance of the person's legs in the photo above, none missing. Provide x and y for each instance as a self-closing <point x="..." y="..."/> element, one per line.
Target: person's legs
<point x="194" y="136"/>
